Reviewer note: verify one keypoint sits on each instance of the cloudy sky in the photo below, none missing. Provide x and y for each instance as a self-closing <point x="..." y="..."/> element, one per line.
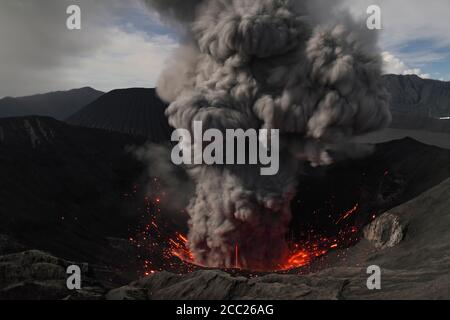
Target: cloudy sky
<point x="122" y="44"/>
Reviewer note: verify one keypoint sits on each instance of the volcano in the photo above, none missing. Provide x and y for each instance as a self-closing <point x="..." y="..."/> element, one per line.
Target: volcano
<point x="77" y="194"/>
<point x="136" y="111"/>
<point x="330" y="211"/>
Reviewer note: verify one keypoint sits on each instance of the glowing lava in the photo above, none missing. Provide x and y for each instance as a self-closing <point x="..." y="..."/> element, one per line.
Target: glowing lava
<point x="163" y="248"/>
<point x="298" y="257"/>
<point x="179" y="248"/>
<point x="348" y="213"/>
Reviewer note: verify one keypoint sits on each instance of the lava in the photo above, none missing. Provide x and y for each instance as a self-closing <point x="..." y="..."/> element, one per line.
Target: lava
<point x="179" y="248"/>
<point x="299" y="256"/>
<point x="348" y="213"/>
<point x="164" y="248"/>
<point x="236" y="256"/>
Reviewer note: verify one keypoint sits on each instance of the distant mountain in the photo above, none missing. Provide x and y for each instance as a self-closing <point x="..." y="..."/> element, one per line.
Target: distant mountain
<point x="416" y="104"/>
<point x="422" y="97"/>
<point x="438" y="139"/>
<point x="135" y="111"/>
<point x="419" y="104"/>
<point x="58" y="105"/>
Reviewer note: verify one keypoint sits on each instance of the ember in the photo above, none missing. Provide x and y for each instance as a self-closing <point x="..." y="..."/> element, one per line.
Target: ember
<point x="167" y="249"/>
<point x="348" y="213"/>
<point x="299" y="256"/>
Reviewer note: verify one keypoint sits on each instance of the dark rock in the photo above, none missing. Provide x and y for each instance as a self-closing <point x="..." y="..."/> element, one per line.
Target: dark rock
<point x="34" y="290"/>
<point x="385" y="232"/>
<point x="8" y="245"/>
<point x="218" y="285"/>
<point x="36" y="275"/>
<point x="87" y="293"/>
<point x="127" y="293"/>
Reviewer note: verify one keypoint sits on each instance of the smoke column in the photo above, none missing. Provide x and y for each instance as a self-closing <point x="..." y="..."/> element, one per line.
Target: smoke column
<point x="302" y="67"/>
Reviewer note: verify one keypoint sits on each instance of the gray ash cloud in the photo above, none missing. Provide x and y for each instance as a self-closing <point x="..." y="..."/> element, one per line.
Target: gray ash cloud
<point x="303" y="67"/>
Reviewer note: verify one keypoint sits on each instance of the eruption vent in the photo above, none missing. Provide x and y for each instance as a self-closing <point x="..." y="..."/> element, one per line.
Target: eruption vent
<point x="272" y="64"/>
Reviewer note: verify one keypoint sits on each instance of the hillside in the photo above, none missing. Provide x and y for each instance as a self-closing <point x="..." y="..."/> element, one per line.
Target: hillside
<point x="61" y="187"/>
<point x="419" y="104"/>
<point x="58" y="105"/>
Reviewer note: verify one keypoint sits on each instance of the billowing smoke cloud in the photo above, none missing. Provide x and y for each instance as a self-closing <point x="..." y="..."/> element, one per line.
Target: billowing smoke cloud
<point x="274" y="64"/>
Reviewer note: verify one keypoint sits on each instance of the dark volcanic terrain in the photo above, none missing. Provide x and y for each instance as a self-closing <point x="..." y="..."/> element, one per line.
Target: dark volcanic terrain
<point x="59" y="105"/>
<point x="62" y="199"/>
<point x="136" y="111"/>
<point x="65" y="196"/>
<point x="410" y="245"/>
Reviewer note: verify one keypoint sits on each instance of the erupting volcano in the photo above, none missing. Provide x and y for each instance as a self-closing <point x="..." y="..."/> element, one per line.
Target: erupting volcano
<point x="165" y="248"/>
<point x="301" y="67"/>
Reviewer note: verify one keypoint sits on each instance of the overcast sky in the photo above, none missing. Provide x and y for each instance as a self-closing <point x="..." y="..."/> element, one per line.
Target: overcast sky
<point x="122" y="44"/>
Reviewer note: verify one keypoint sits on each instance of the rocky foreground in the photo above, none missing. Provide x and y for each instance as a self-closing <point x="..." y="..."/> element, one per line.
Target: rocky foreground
<point x="411" y="245"/>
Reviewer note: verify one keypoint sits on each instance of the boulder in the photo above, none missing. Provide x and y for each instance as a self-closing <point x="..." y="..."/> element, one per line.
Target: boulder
<point x="385" y="232"/>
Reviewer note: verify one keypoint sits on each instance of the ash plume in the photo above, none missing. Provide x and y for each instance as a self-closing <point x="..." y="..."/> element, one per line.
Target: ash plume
<point x="303" y="67"/>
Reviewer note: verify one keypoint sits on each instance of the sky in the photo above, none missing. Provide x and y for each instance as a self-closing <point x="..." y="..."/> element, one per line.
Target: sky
<point x="415" y="38"/>
<point x="123" y="44"/>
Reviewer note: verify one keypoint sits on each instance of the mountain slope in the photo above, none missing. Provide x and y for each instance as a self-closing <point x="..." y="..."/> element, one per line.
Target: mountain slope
<point x="61" y="187"/>
<point x="58" y="105"/>
<point x="423" y="97"/>
<point x="134" y="111"/>
<point x="438" y="139"/>
<point x="416" y="104"/>
<point x="419" y="104"/>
